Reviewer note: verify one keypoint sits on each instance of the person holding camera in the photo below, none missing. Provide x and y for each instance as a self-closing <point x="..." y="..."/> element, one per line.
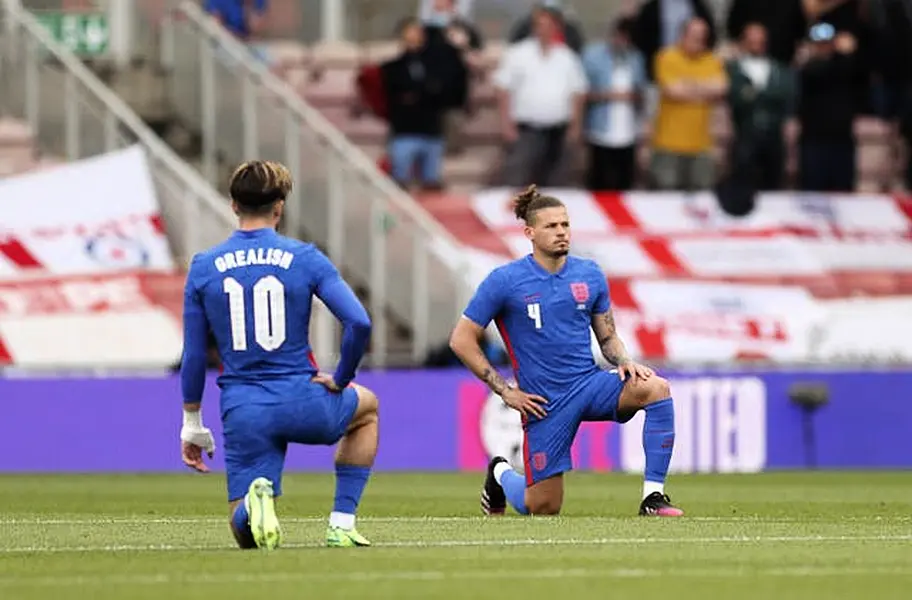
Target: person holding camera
<point x="828" y="67"/>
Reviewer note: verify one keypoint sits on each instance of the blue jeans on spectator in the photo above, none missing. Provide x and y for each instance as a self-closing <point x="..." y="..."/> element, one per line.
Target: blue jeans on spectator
<point x="407" y="150"/>
<point x="827" y="166"/>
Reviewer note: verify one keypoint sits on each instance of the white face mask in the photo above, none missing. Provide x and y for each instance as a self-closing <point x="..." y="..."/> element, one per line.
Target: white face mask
<point x="439" y="19"/>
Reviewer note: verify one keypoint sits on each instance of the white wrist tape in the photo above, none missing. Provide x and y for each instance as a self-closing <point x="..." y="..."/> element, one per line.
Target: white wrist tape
<point x="193" y="419"/>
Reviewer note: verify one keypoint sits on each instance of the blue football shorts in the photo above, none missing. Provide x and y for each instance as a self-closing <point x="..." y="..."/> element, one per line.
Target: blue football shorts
<point x="547" y="442"/>
<point x="257" y="434"/>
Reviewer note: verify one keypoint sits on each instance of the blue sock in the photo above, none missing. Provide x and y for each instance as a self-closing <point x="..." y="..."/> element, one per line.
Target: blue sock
<point x="240" y="522"/>
<point x="514" y="487"/>
<point x="658" y="439"/>
<point x="350" y="483"/>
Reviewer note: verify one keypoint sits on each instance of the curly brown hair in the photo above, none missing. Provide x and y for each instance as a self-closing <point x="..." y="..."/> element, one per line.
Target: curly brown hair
<point x="527" y="203"/>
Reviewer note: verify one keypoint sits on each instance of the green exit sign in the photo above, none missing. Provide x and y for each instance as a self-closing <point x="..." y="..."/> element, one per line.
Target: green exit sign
<point x="85" y="34"/>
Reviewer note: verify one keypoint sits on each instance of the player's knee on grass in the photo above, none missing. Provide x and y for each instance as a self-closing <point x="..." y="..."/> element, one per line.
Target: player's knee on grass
<point x="545" y="497"/>
<point x="544" y="507"/>
<point x="243" y="538"/>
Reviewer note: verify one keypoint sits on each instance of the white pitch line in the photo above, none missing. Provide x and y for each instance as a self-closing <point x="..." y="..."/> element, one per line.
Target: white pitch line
<point x="482" y="543"/>
<point x="461" y="575"/>
<point x="429" y="519"/>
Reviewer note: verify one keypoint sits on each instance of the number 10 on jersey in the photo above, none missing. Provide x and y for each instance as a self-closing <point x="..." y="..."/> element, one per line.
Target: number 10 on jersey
<point x="534" y="312"/>
<point x="268" y="313"/>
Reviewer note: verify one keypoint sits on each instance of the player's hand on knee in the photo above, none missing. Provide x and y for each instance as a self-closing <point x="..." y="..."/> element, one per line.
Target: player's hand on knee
<point x="327" y="381"/>
<point x="526" y="404"/>
<point x="634" y="371"/>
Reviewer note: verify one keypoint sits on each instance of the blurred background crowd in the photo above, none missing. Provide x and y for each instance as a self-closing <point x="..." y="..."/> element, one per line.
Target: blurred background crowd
<point x="813" y="95"/>
<point x="408" y="124"/>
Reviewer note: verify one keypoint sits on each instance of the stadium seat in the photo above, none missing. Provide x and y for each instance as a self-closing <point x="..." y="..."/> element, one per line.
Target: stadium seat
<point x="330" y="87"/>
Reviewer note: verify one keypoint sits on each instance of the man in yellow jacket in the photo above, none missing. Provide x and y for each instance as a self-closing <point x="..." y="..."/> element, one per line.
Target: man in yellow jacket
<point x="691" y="80"/>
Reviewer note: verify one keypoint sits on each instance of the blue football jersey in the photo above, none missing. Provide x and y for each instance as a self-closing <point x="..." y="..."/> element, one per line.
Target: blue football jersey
<point x="545" y="320"/>
<point x="254" y="293"/>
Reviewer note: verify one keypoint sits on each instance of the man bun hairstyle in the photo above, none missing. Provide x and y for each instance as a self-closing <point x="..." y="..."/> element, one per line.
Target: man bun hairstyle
<point x="257" y="185"/>
<point x="527" y="203"/>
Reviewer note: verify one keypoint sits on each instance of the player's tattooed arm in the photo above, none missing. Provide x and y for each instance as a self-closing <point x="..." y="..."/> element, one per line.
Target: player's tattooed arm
<point x="494" y="380"/>
<point x="609" y="341"/>
<point x="465" y="342"/>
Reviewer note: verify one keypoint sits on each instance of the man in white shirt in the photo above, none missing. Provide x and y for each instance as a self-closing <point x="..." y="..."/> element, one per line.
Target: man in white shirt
<point x="617" y="81"/>
<point x="541" y="93"/>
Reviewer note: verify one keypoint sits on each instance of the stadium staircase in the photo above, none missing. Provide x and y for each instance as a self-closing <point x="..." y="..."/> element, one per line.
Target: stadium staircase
<point x="93" y="109"/>
<point x="404" y="264"/>
<point x="54" y="110"/>
<point x="323" y="75"/>
<point x="309" y="88"/>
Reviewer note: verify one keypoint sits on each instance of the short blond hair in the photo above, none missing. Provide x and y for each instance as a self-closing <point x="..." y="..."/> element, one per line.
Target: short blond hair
<point x="256" y="185"/>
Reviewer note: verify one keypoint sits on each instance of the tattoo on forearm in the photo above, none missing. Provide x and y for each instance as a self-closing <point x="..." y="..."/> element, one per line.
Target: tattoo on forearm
<point x="610" y="344"/>
<point x="497" y="383"/>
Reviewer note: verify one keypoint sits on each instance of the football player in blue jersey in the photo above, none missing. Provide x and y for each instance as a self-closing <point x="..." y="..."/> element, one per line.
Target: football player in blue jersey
<point x="254" y="292"/>
<point x="545" y="305"/>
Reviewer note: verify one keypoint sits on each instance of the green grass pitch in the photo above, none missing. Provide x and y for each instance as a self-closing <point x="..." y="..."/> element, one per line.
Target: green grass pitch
<point x="746" y="537"/>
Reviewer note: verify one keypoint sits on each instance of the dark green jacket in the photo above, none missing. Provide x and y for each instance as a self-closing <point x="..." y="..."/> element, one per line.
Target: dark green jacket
<point x="760" y="112"/>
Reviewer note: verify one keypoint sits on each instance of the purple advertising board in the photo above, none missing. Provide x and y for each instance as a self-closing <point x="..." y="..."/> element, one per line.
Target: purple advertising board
<point x="445" y="420"/>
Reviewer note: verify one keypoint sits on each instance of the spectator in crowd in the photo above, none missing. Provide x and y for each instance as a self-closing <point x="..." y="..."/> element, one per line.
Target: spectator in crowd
<point x="570" y="31"/>
<point x="900" y="16"/>
<point x="761" y="97"/>
<point x="783" y="20"/>
<point x="447" y="30"/>
<point x="243" y="18"/>
<point x="787" y="23"/>
<point x="617" y="80"/>
<point x="541" y="95"/>
<point x="851" y="17"/>
<point x="659" y="23"/>
<point x="826" y="110"/>
<point x="691" y="80"/>
<point x="416" y="97"/>
<point x="892" y="20"/>
<point x="905" y="129"/>
<point x="461" y="9"/>
<point x="444" y="22"/>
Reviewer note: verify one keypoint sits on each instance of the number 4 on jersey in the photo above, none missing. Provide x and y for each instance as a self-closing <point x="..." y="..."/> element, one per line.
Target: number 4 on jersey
<point x="268" y="313"/>
<point x="534" y="312"/>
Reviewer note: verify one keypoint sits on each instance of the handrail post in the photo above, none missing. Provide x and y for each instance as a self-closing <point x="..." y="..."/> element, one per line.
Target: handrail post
<point x="335" y="216"/>
<point x="32" y="85"/>
<point x="208" y="104"/>
<point x="293" y="220"/>
<point x="420" y="299"/>
<point x="110" y="131"/>
<point x="378" y="282"/>
<point x="249" y="115"/>
<point x="71" y="116"/>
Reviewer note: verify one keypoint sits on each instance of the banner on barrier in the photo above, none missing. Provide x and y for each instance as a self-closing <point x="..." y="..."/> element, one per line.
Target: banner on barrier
<point x="111" y="321"/>
<point x="679" y="213"/>
<point x="90" y="216"/>
<point x="446" y="420"/>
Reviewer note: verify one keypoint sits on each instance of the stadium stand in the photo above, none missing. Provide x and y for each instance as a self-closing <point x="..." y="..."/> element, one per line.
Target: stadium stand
<point x="83" y="262"/>
<point x="314" y="88"/>
<point x="324" y="75"/>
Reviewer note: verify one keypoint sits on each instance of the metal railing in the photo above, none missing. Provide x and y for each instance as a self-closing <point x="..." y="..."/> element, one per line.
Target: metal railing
<point x="384" y="241"/>
<point x="73" y="115"/>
